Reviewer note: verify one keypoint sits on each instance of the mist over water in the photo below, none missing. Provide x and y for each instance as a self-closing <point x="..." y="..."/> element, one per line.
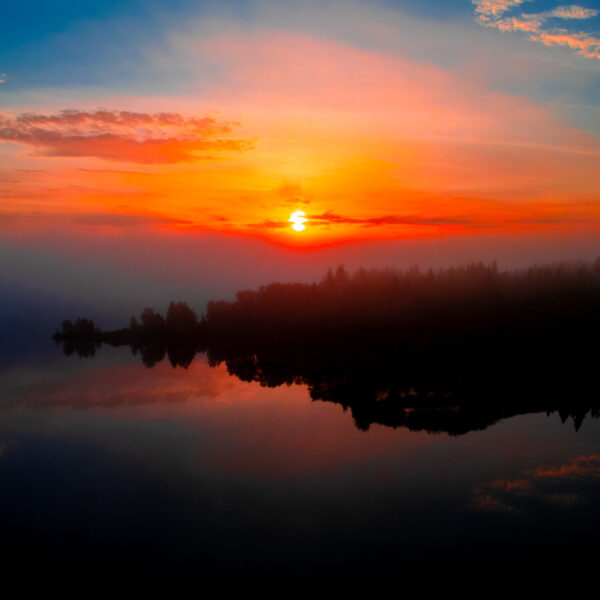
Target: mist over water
<point x="316" y="456"/>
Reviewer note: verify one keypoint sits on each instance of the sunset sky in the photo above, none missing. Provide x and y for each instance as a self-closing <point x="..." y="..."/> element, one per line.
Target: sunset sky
<point x="150" y="149"/>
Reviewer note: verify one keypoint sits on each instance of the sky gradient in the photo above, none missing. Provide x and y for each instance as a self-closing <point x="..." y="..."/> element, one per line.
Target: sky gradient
<point x="147" y="149"/>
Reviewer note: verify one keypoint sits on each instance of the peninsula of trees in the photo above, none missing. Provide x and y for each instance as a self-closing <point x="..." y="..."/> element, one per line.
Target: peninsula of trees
<point x="383" y="340"/>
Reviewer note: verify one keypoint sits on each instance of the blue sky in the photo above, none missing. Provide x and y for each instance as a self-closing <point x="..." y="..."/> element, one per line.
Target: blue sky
<point x="75" y="43"/>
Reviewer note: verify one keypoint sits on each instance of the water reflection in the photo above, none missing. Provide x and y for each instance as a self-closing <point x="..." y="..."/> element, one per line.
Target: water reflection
<point x="108" y="463"/>
<point x="390" y="389"/>
<point x="572" y="484"/>
<point x="453" y="351"/>
<point x="228" y="455"/>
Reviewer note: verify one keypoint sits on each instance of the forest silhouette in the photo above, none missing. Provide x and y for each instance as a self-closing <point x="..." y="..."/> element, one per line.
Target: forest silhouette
<point x="450" y="350"/>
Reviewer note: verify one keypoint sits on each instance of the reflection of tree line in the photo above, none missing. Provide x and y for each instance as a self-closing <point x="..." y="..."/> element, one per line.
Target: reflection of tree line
<point x="449" y="351"/>
<point x="177" y="336"/>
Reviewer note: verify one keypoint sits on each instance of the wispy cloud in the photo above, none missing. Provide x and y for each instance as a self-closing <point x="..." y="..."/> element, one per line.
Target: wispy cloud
<point x="492" y="8"/>
<point x="124" y="220"/>
<point x="127" y="119"/>
<point x="2" y="77"/>
<point x="93" y="220"/>
<point x="331" y="218"/>
<point x="585" y="44"/>
<point x="526" y="23"/>
<point x="574" y="12"/>
<point x="491" y="13"/>
<point x="121" y="136"/>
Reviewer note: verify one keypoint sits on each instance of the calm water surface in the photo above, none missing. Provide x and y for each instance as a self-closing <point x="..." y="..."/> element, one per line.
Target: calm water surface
<point x="105" y="463"/>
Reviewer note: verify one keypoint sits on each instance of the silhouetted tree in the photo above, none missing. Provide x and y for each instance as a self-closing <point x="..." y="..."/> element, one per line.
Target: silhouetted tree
<point x="181" y="320"/>
<point x="341" y="275"/>
<point x="84" y="329"/>
<point x="67" y="329"/>
<point x="153" y="324"/>
<point x="448" y="350"/>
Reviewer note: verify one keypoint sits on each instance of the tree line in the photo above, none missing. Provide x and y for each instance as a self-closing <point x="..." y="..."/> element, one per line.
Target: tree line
<point x="382" y="341"/>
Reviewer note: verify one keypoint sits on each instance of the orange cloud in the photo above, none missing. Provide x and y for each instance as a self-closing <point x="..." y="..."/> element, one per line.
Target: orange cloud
<point x="574" y="12"/>
<point x="330" y="217"/>
<point x="586" y="44"/>
<point x="121" y="136"/>
<point x="369" y="144"/>
<point x="581" y="466"/>
<point x="487" y="8"/>
<point x="527" y="23"/>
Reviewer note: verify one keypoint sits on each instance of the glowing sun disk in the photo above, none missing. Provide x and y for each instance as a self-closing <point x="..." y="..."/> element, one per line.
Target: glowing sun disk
<point x="298" y="218"/>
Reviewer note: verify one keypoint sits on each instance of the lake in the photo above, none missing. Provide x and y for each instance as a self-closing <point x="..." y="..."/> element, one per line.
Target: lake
<point x="108" y="464"/>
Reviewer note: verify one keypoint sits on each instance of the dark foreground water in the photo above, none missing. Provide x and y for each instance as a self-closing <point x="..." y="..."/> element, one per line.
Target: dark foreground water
<point x="108" y="465"/>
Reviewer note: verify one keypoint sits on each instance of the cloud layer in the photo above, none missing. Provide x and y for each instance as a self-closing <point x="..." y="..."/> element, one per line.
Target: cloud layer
<point x="121" y="136"/>
<point x="540" y="26"/>
<point x="330" y="217"/>
<point x="492" y="8"/>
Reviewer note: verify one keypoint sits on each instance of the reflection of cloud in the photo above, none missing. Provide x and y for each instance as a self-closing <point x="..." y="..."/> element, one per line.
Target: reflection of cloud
<point x="579" y="467"/>
<point x="546" y="485"/>
<point x="123" y="386"/>
<point x="121" y="136"/>
<point x="586" y="44"/>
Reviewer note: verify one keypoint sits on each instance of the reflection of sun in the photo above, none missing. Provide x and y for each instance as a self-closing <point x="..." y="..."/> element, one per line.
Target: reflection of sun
<point x="298" y="218"/>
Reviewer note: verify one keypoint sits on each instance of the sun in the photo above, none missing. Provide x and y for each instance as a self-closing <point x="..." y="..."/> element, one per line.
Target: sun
<point x="298" y="218"/>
